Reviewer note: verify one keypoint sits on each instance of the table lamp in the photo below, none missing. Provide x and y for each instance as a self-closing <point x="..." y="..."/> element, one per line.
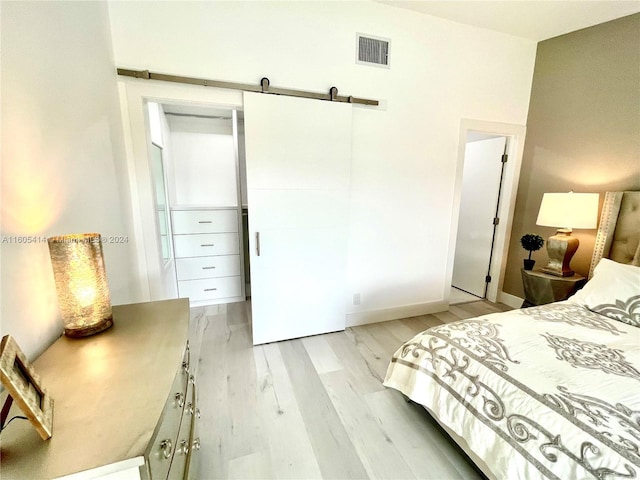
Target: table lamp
<point x="566" y="211"/>
<point x="81" y="283"/>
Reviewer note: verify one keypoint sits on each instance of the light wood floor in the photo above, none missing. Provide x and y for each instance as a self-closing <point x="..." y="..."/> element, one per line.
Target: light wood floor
<point x="315" y="407"/>
<point x="457" y="296"/>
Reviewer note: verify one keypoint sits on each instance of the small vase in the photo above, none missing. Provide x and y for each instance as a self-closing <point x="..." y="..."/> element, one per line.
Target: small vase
<point x="528" y="264"/>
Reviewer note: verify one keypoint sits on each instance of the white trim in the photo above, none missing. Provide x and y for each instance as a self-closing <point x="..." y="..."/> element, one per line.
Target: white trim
<point x="516" y="136"/>
<point x="511" y="300"/>
<point x="136" y="216"/>
<point x="405" y="311"/>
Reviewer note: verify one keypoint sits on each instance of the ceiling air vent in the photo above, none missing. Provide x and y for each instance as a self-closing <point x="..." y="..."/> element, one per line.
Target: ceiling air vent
<point x="372" y="50"/>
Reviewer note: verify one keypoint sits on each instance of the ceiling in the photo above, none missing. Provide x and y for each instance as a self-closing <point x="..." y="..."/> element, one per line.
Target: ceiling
<point x="535" y="20"/>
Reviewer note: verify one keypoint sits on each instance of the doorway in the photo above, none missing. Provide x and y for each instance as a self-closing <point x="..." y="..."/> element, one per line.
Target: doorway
<point x="482" y="177"/>
<point x="508" y="140"/>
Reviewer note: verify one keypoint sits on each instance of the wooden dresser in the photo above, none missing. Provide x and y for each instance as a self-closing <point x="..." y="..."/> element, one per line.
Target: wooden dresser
<point x="124" y="402"/>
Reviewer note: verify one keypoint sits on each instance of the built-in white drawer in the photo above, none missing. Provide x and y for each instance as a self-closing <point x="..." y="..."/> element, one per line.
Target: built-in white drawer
<point x="204" y="221"/>
<point x="205" y="244"/>
<point x="210" y="288"/>
<point x="208" y="267"/>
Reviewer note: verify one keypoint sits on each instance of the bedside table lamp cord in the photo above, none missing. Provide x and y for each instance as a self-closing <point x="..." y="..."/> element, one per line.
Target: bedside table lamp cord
<point x="5" y="413"/>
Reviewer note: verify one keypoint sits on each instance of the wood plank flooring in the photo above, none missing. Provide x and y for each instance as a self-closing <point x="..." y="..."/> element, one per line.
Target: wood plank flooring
<point x="315" y="407"/>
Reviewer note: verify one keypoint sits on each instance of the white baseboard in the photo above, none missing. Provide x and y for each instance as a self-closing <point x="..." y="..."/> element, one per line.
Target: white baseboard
<point x="511" y="300"/>
<point x="394" y="313"/>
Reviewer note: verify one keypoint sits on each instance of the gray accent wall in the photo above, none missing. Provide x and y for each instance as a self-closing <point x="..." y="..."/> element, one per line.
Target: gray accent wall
<point x="583" y="130"/>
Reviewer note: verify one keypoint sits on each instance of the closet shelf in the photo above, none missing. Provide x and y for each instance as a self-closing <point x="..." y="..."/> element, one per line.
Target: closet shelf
<point x="202" y="207"/>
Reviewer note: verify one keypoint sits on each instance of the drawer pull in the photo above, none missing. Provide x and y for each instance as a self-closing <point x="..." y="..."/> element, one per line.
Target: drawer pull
<point x="183" y="449"/>
<point x="205" y="221"/>
<point x="189" y="408"/>
<point x="208" y="268"/>
<point x="179" y="399"/>
<point x="198" y="414"/>
<point x="207" y="245"/>
<point x="210" y="289"/>
<point x="196" y="444"/>
<point x="185" y="367"/>
<point x="192" y="379"/>
<point x="166" y="448"/>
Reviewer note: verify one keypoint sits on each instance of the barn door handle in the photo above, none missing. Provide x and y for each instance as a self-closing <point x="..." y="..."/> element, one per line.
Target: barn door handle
<point x="258" y="244"/>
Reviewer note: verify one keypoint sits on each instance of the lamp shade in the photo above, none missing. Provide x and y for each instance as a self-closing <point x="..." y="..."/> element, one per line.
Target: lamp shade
<point x="81" y="283"/>
<point x="569" y="210"/>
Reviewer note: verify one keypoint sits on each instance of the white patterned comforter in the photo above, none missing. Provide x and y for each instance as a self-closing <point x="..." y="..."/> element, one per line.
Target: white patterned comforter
<point x="545" y="392"/>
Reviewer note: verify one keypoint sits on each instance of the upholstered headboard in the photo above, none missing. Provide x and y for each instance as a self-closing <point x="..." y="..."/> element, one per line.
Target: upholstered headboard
<point x="618" y="235"/>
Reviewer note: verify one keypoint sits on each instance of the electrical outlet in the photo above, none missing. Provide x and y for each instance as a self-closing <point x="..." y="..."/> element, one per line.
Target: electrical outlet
<point x="356" y="299"/>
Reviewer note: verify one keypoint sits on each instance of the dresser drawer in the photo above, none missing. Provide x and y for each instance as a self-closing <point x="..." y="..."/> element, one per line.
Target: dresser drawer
<point x="208" y="267"/>
<point x="210" y="288"/>
<point x="193" y="464"/>
<point x="163" y="446"/>
<point x="205" y="244"/>
<point x="204" y="221"/>
<point x="182" y="451"/>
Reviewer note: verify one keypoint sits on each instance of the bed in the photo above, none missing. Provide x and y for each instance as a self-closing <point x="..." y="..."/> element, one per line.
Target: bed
<point x="550" y="391"/>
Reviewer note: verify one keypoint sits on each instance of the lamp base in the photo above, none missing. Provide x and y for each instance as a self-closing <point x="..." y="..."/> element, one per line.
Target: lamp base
<point x="560" y="249"/>
<point x="91" y="329"/>
<point x="564" y="273"/>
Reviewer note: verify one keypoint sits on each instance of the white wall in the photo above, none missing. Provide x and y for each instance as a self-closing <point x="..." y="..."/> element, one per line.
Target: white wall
<point x="204" y="162"/>
<point x="404" y="154"/>
<point x="62" y="156"/>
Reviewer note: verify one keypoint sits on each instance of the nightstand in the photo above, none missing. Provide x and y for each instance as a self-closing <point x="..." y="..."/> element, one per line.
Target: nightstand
<point x="541" y="288"/>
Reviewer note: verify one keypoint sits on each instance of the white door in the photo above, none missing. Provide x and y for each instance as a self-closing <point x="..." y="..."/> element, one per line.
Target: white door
<point x="298" y="156"/>
<point x="478" y="206"/>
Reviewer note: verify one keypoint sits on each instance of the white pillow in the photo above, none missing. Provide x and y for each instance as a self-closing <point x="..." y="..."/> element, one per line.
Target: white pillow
<point x="613" y="291"/>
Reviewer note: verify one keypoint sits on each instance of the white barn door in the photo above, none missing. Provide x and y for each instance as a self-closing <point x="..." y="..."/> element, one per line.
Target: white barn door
<point x="298" y="155"/>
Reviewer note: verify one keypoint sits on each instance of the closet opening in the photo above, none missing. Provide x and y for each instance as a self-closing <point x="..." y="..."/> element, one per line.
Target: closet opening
<point x="204" y="231"/>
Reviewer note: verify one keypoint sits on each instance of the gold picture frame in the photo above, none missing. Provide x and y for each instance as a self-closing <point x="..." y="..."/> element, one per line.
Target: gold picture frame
<point x="25" y="388"/>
